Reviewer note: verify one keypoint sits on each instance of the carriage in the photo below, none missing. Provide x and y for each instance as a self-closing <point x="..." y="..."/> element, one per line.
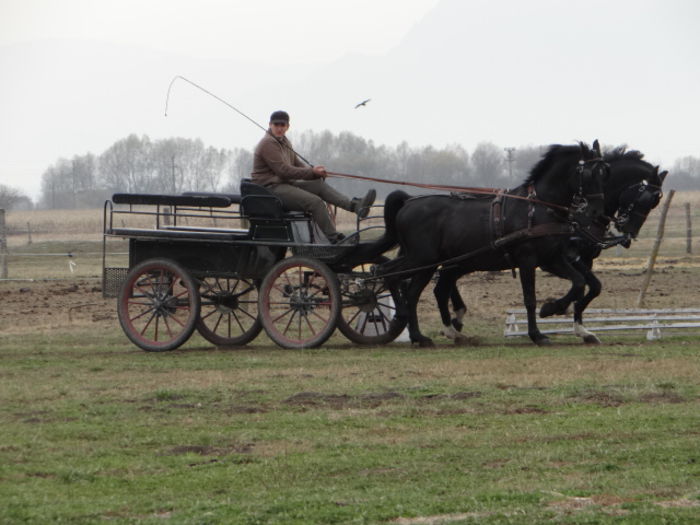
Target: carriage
<point x="229" y="266"/>
<point x="230" y="271"/>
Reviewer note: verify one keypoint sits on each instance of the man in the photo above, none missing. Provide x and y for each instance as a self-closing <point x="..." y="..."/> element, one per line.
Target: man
<point x="300" y="187"/>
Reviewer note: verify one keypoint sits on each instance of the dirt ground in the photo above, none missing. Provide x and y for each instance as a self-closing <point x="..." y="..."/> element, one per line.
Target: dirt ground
<point x="40" y="305"/>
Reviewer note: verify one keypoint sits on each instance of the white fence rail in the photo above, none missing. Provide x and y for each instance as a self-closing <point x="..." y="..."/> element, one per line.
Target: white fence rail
<point x="606" y="319"/>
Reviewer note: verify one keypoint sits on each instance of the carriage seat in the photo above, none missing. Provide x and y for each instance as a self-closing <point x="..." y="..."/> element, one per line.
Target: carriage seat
<point x="258" y="201"/>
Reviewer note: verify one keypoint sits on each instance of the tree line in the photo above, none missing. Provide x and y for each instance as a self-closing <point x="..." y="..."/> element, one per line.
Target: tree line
<point x="141" y="165"/>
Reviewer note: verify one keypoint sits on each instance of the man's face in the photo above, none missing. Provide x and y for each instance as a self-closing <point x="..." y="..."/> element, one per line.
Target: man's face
<point x="279" y="128"/>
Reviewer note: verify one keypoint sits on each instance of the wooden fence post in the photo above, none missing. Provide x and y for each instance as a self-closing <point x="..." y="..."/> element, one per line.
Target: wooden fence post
<point x="688" y="230"/>
<point x="3" y="246"/>
<point x="29" y="233"/>
<point x="655" y="250"/>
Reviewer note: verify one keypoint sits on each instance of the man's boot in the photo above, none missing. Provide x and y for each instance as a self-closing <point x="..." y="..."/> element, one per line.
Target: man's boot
<point x="361" y="205"/>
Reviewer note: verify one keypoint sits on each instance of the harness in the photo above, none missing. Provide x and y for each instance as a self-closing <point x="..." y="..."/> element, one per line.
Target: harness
<point x="569" y="225"/>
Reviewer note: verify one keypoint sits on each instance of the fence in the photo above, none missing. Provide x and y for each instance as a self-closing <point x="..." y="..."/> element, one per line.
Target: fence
<point x="42" y="244"/>
<point x="655" y="322"/>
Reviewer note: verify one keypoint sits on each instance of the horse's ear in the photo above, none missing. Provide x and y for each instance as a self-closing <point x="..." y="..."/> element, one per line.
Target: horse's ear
<point x="662" y="175"/>
<point x="596" y="147"/>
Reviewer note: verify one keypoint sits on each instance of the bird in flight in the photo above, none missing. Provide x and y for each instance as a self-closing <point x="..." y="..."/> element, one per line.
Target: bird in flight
<point x="363" y="103"/>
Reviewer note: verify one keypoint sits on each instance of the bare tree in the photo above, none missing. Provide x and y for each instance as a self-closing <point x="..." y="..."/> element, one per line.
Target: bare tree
<point x="127" y="165"/>
<point x="11" y="197"/>
<point x="488" y="164"/>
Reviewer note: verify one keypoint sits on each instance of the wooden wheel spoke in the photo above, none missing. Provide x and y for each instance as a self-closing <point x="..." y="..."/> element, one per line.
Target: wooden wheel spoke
<point x="308" y="323"/>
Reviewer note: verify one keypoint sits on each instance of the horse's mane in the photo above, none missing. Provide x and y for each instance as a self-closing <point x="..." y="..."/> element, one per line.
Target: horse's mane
<point x="620" y="153"/>
<point x="554" y="153"/>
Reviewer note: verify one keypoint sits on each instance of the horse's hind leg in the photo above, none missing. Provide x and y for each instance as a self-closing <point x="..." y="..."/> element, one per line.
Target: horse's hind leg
<point x="458" y="307"/>
<point x="527" y="282"/>
<point x="415" y="288"/>
<point x="446" y="289"/>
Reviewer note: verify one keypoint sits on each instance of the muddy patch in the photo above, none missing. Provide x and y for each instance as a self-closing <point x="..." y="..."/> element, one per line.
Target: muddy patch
<point x="340" y="401"/>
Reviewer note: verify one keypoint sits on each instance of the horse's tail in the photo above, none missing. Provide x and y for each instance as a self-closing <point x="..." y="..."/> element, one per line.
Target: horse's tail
<point x="393" y="204"/>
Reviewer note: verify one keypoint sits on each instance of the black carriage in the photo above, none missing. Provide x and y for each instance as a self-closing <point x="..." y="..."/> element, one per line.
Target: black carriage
<point x="229" y="266"/>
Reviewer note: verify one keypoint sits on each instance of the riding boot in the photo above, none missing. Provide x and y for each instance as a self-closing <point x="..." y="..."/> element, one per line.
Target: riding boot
<point x="361" y="205"/>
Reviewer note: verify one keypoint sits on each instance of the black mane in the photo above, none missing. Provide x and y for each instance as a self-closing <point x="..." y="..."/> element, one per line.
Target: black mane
<point x="554" y="153"/>
<point x="620" y="153"/>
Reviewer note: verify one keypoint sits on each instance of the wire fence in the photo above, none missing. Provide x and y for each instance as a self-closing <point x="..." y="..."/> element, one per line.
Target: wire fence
<point x="58" y="249"/>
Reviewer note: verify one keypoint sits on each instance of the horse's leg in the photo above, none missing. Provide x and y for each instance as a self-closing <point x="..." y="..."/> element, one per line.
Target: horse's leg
<point x="580" y="275"/>
<point x="446" y="289"/>
<point x="594" y="289"/>
<point x="413" y="292"/>
<point x="527" y="282"/>
<point x="458" y="307"/>
<point x="561" y="267"/>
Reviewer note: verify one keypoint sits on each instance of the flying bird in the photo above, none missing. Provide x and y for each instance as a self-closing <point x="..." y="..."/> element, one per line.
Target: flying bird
<point x="363" y="103"/>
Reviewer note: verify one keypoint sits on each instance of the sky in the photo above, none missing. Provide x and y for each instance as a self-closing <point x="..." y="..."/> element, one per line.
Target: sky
<point x="78" y="75"/>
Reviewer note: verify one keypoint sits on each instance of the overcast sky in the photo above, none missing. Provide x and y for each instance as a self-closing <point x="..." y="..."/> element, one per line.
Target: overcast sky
<point x="80" y="74"/>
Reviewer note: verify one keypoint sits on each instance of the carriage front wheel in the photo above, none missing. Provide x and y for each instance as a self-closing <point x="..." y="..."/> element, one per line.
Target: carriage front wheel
<point x="299" y="303"/>
<point x="368" y="314"/>
<point x="158" y="305"/>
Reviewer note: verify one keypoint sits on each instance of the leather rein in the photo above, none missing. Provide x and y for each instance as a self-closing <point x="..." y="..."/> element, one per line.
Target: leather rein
<point x="447" y="187"/>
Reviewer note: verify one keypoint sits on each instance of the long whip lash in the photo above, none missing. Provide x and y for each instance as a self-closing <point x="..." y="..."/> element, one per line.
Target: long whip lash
<point x="170" y="87"/>
<point x="167" y="101"/>
<point x="488" y="191"/>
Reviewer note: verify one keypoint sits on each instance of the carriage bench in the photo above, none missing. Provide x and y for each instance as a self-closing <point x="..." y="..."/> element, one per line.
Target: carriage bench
<point x="654" y="321"/>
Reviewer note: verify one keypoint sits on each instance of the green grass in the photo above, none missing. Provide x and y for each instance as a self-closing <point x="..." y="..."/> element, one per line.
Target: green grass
<point x="95" y="430"/>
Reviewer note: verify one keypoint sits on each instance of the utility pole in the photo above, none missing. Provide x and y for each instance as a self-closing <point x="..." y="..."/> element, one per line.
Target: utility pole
<point x="510" y="158"/>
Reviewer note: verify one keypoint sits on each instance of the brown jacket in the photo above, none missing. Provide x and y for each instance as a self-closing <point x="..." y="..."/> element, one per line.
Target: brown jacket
<point x="274" y="162"/>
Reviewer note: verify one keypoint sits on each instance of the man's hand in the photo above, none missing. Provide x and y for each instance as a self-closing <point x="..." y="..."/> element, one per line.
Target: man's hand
<point x="320" y="172"/>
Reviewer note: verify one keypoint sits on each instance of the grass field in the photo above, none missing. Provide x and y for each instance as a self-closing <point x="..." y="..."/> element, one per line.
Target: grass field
<point x="94" y="430"/>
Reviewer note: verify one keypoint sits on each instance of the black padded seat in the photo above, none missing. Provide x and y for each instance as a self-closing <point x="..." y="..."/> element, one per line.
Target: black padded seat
<point x="210" y="201"/>
<point x="258" y="201"/>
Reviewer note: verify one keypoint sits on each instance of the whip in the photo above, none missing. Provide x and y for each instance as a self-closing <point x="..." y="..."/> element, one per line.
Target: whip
<point x="229" y="105"/>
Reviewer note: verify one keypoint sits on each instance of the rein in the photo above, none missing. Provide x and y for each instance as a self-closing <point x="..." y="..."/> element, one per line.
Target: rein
<point x="446" y="187"/>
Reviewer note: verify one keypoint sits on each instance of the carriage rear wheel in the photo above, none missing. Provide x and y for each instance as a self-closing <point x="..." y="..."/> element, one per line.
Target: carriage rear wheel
<point x="229" y="311"/>
<point x="158" y="305"/>
<point x="368" y="314"/>
<point x="299" y="303"/>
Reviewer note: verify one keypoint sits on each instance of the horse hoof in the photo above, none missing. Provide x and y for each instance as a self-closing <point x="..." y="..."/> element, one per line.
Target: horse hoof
<point x="426" y="343"/>
<point x="461" y="340"/>
<point x="591" y="340"/>
<point x="457" y="325"/>
<point x="542" y="341"/>
<point x="548" y="309"/>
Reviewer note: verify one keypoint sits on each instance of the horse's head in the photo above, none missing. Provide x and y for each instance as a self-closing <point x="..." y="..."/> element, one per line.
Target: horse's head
<point x="636" y="202"/>
<point x="634" y="189"/>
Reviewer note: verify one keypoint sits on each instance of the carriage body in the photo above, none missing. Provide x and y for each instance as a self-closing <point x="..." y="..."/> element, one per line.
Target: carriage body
<point x="229" y="265"/>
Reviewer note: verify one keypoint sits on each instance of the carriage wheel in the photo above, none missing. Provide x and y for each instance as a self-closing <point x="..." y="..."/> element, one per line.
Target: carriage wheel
<point x="158" y="305"/>
<point x="229" y="311"/>
<point x="299" y="303"/>
<point x="368" y="314"/>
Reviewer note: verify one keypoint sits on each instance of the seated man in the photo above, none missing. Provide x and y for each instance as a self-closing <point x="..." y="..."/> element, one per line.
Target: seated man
<point x="300" y="187"/>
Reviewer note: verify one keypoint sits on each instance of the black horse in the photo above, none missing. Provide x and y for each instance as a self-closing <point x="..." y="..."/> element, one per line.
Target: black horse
<point x="525" y="228"/>
<point x="632" y="190"/>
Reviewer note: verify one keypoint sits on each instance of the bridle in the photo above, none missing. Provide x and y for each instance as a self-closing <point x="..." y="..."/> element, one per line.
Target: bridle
<point x="639" y="191"/>
<point x="588" y="171"/>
